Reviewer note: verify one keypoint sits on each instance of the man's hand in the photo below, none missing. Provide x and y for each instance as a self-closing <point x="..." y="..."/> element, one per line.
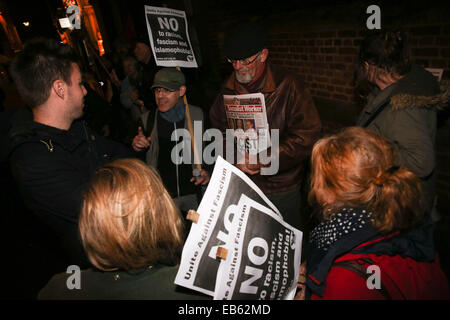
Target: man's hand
<point x="203" y="179"/>
<point x="247" y="167"/>
<point x="140" y="142"/>
<point x="301" y="283"/>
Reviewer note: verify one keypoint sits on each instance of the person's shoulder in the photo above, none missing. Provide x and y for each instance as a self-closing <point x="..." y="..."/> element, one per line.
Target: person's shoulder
<point x="74" y="284"/>
<point x="167" y="275"/>
<point x="196" y="113"/>
<point x="343" y="283"/>
<point x="417" y="82"/>
<point x="57" y="288"/>
<point x="195" y="109"/>
<point x="280" y="71"/>
<point x="281" y="75"/>
<point x="28" y="148"/>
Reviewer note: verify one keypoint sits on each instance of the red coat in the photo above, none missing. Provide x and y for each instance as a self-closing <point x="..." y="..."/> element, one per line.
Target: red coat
<point x="403" y="278"/>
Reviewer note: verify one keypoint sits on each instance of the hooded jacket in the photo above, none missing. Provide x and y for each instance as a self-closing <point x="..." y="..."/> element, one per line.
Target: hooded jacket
<point x="405" y="113"/>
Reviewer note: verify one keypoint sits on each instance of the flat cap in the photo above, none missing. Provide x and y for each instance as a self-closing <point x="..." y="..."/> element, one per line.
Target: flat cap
<point x="169" y="78"/>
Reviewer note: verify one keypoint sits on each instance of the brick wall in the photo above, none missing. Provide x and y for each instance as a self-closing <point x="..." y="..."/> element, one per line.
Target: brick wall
<point x="324" y="60"/>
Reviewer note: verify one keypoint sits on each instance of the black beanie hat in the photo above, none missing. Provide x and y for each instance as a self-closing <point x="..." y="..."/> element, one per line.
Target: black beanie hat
<point x="243" y="41"/>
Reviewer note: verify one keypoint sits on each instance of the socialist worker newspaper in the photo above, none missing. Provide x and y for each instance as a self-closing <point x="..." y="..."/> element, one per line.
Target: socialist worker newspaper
<point x="264" y="252"/>
<point x="246" y="114"/>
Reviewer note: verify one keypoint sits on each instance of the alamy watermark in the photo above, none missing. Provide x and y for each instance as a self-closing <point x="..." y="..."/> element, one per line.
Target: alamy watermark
<point x="374" y="20"/>
<point x="236" y="147"/>
<point x="73" y="19"/>
<point x="374" y="280"/>
<point x="74" y="280"/>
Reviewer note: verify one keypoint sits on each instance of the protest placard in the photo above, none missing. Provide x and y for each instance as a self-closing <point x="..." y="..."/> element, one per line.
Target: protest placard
<point x="169" y="37"/>
<point x="263" y="257"/>
<point x="218" y="219"/>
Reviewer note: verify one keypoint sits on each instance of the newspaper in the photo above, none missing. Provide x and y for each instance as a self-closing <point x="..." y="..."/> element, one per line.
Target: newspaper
<point x="246" y="114"/>
<point x="236" y="215"/>
<point x="437" y="72"/>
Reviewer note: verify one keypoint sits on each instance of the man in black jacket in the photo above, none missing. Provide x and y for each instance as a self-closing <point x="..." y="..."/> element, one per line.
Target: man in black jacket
<point x="53" y="156"/>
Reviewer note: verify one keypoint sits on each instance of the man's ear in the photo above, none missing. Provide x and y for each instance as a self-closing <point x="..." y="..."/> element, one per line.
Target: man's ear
<point x="182" y="91"/>
<point x="264" y="54"/>
<point x="59" y="87"/>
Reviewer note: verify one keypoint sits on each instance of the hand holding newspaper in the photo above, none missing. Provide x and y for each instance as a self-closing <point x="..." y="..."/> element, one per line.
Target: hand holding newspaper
<point x="263" y="252"/>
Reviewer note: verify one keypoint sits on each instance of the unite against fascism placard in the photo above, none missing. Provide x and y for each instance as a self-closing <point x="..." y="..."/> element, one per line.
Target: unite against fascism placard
<point x="263" y="251"/>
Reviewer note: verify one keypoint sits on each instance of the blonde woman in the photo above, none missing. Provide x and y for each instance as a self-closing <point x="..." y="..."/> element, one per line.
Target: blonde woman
<point x="132" y="233"/>
<point x="373" y="241"/>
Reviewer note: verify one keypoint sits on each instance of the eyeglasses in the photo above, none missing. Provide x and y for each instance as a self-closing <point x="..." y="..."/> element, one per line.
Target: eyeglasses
<point x="244" y="62"/>
<point x="162" y="90"/>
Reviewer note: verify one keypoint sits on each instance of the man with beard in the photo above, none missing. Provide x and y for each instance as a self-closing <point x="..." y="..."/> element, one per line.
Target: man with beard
<point x="289" y="108"/>
<point x="53" y="156"/>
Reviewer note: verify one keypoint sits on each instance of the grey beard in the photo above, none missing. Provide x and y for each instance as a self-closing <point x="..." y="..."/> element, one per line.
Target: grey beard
<point x="246" y="78"/>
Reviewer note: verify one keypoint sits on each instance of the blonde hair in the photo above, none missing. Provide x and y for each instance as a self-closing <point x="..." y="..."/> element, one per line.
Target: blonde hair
<point x="355" y="168"/>
<point x="128" y="219"/>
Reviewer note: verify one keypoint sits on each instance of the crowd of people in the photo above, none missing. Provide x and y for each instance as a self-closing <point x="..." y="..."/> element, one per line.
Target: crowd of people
<point x="116" y="199"/>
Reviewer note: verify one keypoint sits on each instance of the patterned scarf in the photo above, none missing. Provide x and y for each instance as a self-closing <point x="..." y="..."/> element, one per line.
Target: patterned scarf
<point x="341" y="224"/>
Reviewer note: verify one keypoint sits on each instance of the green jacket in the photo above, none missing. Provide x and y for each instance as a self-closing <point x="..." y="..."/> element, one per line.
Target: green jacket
<point x="153" y="283"/>
<point x="405" y="113"/>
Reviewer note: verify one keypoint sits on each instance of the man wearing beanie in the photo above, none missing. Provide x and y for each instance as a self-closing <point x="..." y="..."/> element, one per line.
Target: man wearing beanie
<point x="154" y="137"/>
<point x="289" y="107"/>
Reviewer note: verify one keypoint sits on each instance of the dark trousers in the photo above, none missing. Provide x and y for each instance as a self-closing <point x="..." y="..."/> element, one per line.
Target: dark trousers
<point x="295" y="211"/>
<point x="289" y="204"/>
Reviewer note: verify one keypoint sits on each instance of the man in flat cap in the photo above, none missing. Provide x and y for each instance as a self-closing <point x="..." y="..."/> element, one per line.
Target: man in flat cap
<point x="155" y="137"/>
<point x="289" y="107"/>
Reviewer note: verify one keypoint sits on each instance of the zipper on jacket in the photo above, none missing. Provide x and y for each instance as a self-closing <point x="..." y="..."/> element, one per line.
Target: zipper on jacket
<point x="83" y="123"/>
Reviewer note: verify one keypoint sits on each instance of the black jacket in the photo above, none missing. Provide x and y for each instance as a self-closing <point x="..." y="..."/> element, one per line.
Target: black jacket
<point x="52" y="168"/>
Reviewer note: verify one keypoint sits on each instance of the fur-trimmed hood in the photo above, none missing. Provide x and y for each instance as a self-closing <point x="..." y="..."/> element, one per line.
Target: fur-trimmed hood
<point x="439" y="101"/>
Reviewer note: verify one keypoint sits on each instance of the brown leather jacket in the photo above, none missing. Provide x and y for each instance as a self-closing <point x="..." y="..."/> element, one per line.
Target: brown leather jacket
<point x="290" y="109"/>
